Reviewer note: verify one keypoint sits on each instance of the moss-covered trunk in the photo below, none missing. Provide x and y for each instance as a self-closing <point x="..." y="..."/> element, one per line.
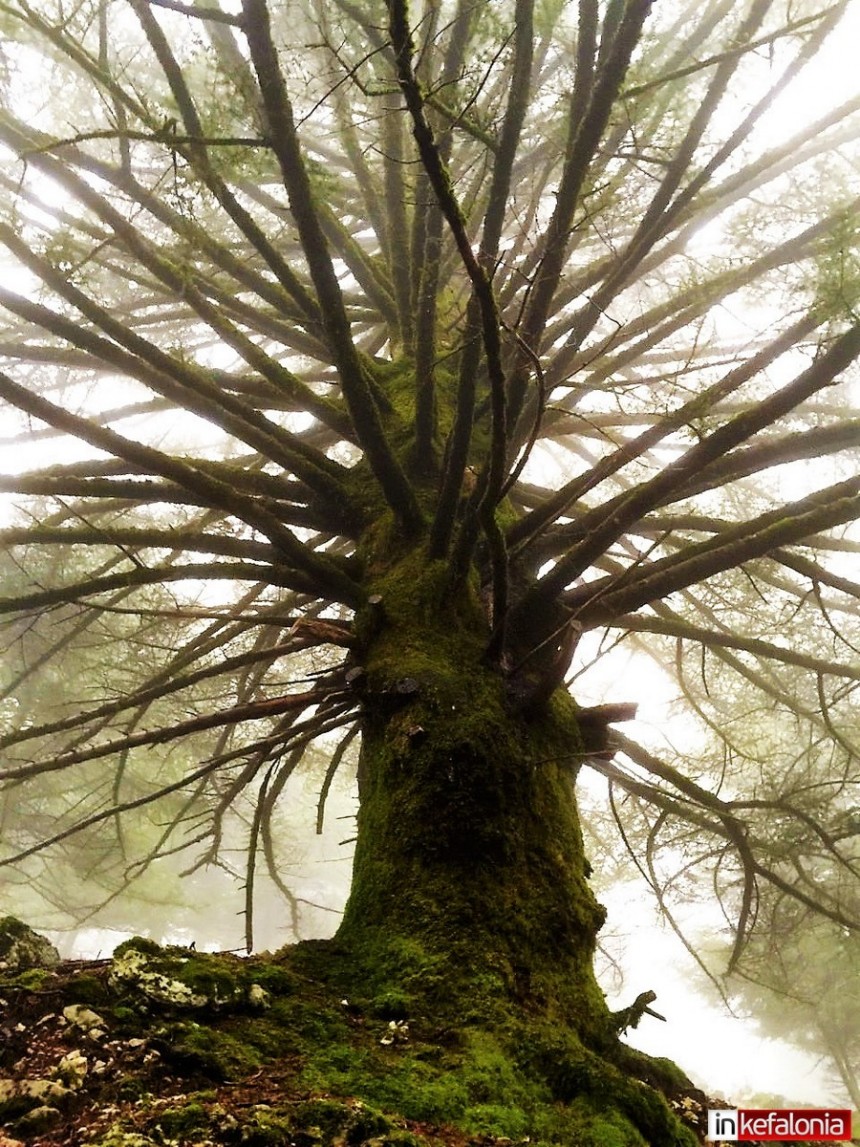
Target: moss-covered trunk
<point x="469" y="847"/>
<point x="470" y="911"/>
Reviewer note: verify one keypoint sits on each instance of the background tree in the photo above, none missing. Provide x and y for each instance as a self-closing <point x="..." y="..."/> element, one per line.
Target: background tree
<point x="427" y="342"/>
<point x="799" y="982"/>
<point x="125" y="873"/>
<point x="796" y="978"/>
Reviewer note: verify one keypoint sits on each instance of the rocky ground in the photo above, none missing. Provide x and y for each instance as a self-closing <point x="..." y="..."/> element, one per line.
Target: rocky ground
<point x="155" y="1048"/>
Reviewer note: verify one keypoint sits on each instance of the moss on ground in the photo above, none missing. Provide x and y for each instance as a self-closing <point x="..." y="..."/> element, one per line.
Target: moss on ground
<point x="317" y="1066"/>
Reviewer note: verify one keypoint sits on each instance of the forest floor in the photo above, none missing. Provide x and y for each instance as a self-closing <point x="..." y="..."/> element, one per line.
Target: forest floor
<point x="128" y="1053"/>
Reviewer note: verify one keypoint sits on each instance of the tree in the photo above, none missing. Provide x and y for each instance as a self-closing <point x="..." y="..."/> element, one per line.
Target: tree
<point x="431" y="342"/>
<point x="803" y="988"/>
<point x="796" y="977"/>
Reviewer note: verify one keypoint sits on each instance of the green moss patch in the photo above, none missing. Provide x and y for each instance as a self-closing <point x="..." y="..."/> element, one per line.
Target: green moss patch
<point x="335" y="1060"/>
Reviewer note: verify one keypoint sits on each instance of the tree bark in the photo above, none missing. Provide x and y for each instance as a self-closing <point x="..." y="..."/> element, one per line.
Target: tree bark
<point x="470" y="910"/>
<point x="468" y="835"/>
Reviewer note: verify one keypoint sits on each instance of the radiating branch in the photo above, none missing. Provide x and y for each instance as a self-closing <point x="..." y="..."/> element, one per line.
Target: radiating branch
<point x="353" y="376"/>
<point x="311" y="571"/>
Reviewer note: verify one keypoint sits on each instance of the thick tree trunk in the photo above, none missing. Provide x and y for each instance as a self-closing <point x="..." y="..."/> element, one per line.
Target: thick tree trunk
<point x="468" y="838"/>
<point x="470" y="908"/>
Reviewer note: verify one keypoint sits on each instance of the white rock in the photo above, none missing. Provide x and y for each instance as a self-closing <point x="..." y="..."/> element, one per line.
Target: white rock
<point x="72" y="1068"/>
<point x="80" y="1017"/>
<point x="21" y="947"/>
<point x="45" y="1089"/>
<point x="258" y="997"/>
<point x="132" y="967"/>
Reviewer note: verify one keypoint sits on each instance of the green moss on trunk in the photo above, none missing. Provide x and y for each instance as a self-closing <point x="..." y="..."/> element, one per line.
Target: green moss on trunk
<point x="469" y="845"/>
<point x="470" y="918"/>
